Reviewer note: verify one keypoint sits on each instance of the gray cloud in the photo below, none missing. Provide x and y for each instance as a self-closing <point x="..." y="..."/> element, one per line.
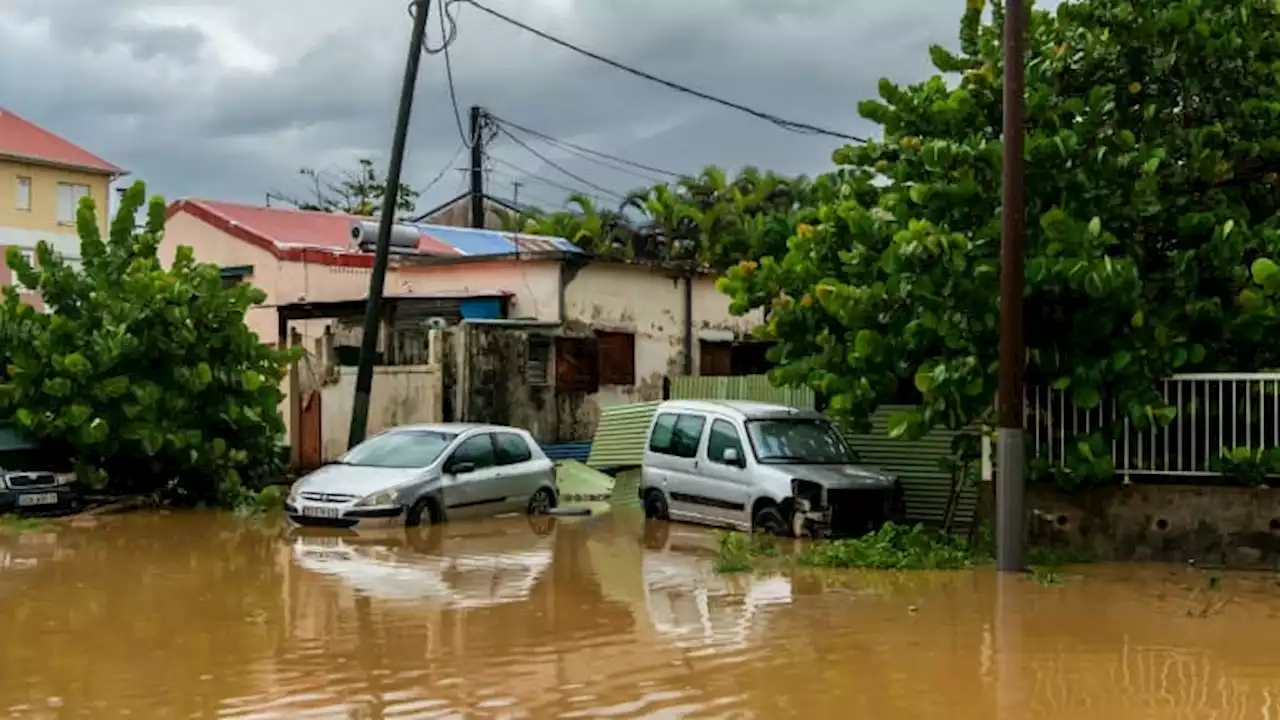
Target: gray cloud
<point x="229" y="100"/>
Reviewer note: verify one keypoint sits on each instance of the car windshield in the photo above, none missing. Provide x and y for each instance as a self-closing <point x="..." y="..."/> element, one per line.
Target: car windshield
<point x="814" y="442"/>
<point x="399" y="449"/>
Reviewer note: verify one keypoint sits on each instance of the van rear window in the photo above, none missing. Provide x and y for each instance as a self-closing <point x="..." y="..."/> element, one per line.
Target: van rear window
<point x="677" y="434"/>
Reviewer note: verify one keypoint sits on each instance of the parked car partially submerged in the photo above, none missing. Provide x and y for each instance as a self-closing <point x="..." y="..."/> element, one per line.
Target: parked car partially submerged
<point x="761" y="467"/>
<point x="418" y="474"/>
<point x="30" y="483"/>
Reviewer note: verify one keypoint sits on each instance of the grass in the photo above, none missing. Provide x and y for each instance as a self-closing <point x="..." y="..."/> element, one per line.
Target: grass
<point x="16" y="525"/>
<point x="892" y="547"/>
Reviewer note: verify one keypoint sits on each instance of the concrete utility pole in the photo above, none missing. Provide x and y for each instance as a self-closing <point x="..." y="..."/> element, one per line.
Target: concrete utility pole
<point x="477" y="167"/>
<point x="373" y="307"/>
<point x="1011" y="464"/>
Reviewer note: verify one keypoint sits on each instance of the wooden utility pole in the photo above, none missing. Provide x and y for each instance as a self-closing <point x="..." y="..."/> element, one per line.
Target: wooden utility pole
<point x="373" y="306"/>
<point x="1010" y="460"/>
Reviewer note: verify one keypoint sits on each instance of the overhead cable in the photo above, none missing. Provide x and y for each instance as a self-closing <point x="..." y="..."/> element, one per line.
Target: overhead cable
<point x="585" y="152"/>
<point x="553" y="164"/>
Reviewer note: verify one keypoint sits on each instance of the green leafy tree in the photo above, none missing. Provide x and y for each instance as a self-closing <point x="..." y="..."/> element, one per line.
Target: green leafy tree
<point x="146" y="376"/>
<point x="1152" y="149"/>
<point x="359" y="191"/>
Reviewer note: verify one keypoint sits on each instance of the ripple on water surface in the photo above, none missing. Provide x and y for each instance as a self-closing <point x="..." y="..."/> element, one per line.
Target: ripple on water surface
<point x="205" y="615"/>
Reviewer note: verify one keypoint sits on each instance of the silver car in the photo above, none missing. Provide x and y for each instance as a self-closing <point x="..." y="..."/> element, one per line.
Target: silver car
<point x="756" y="466"/>
<point x="421" y="474"/>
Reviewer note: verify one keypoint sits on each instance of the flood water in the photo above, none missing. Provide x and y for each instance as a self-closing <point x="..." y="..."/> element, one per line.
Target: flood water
<point x="206" y="615"/>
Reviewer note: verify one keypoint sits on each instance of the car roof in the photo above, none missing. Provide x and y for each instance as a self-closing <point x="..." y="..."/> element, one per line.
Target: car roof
<point x="742" y="410"/>
<point x="456" y="428"/>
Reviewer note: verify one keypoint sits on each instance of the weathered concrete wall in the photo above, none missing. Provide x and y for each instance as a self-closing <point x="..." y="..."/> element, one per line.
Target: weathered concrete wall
<point x="494" y="387"/>
<point x="1212" y="526"/>
<point x="401" y="395"/>
<point x="650" y="303"/>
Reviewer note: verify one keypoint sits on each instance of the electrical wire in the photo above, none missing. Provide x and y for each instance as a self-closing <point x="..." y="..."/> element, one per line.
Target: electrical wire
<point x="603" y="159"/>
<point x="791" y="125"/>
<point x="525" y="174"/>
<point x="444" y="170"/>
<point x="552" y="164"/>
<point x="448" y="35"/>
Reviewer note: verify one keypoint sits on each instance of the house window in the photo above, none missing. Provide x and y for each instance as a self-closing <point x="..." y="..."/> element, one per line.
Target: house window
<point x="617" y="358"/>
<point x="30" y="256"/>
<point x="69" y="195"/>
<point x="577" y="365"/>
<point x="232" y="276"/>
<point x="22" y="197"/>
<point x="724" y="358"/>
<point x="538" y="361"/>
<point x="584" y="364"/>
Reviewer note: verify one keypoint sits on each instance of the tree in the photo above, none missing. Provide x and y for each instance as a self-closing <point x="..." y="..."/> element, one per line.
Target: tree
<point x="1152" y="149"/>
<point x="709" y="220"/>
<point x="143" y="375"/>
<point x="354" y="192"/>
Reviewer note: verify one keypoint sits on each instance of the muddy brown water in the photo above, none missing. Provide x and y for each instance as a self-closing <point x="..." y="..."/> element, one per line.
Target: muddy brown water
<point x="204" y="615"/>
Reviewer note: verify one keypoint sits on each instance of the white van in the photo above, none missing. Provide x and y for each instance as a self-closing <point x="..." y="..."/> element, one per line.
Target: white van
<point x="760" y="467"/>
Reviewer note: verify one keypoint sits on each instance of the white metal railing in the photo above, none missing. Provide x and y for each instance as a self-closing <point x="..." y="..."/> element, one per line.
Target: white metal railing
<point x="1216" y="412"/>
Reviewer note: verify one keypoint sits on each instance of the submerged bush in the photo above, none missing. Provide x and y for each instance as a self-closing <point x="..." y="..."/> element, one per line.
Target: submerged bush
<point x="893" y="547"/>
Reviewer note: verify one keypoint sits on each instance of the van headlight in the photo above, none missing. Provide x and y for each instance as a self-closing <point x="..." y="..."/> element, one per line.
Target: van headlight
<point x="386" y="497"/>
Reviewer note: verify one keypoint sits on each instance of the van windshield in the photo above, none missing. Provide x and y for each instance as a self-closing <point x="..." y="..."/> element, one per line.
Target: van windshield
<point x="814" y="442"/>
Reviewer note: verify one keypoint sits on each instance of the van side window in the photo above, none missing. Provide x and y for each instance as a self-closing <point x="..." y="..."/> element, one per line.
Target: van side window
<point x="724" y="436"/>
<point x="677" y="435"/>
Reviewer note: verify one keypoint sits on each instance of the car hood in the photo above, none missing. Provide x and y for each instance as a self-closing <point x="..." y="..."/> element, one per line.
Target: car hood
<point x="837" y="477"/>
<point x="356" y="480"/>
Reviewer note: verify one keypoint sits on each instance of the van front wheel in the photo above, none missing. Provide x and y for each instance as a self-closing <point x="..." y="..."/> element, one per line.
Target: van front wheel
<point x="769" y="520"/>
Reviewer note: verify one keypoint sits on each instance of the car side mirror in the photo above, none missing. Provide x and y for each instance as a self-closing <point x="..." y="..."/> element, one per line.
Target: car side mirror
<point x="730" y="457"/>
<point x="461" y="468"/>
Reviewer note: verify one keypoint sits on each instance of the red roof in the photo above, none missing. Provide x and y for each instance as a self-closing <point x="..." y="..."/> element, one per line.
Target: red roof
<point x="297" y="235"/>
<point x="23" y="140"/>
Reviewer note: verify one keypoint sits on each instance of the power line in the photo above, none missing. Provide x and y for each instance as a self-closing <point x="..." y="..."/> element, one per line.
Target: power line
<point x="791" y="125"/>
<point x="444" y="170"/>
<point x="525" y="174"/>
<point x="552" y="164"/>
<point x="587" y="153"/>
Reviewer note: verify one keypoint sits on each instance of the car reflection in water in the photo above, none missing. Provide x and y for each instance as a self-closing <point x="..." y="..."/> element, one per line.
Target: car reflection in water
<point x="458" y="565"/>
<point x="697" y="608"/>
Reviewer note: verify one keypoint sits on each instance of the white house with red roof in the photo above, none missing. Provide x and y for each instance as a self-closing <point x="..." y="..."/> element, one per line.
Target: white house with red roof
<point x="42" y="178"/>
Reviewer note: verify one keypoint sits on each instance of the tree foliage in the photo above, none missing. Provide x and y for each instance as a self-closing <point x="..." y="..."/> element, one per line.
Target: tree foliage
<point x="710" y="220"/>
<point x="146" y="376"/>
<point x="358" y="191"/>
<point x="1152" y="149"/>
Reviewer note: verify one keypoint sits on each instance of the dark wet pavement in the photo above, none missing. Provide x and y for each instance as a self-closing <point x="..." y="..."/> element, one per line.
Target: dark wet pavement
<point x="202" y="615"/>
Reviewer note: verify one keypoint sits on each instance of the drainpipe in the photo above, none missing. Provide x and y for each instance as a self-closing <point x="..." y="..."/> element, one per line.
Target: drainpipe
<point x="688" y="324"/>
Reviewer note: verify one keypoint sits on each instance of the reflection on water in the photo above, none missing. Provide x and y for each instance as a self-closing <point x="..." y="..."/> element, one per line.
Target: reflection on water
<point x="204" y="615"/>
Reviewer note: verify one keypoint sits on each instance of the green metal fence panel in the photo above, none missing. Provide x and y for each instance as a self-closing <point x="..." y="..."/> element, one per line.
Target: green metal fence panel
<point x="926" y="486"/>
<point x="753" y="388"/>
<point x="620" y="435"/>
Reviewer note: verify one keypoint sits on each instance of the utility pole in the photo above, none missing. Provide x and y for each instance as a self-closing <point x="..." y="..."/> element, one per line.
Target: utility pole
<point x="515" y="195"/>
<point x="1010" y="480"/>
<point x="373" y="307"/>
<point x="477" y="167"/>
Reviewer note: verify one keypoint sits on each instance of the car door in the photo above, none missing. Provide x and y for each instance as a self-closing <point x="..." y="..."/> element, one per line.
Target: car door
<point x="476" y="491"/>
<point x="677" y="437"/>
<point x="521" y="473"/>
<point x="724" y="480"/>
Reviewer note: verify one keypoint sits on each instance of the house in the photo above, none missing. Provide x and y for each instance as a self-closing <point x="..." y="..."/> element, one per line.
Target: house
<point x="42" y="178"/>
<point x="456" y="212"/>
<point x="570" y="335"/>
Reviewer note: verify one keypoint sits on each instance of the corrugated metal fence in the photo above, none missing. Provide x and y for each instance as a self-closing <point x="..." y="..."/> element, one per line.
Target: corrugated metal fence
<point x="927" y="486"/>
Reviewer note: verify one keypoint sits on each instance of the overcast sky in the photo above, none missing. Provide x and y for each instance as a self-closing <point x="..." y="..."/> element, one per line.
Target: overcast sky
<point x="227" y="99"/>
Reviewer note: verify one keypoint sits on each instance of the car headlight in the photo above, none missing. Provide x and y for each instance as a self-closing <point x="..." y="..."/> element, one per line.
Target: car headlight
<point x="386" y="497"/>
<point x="64" y="478"/>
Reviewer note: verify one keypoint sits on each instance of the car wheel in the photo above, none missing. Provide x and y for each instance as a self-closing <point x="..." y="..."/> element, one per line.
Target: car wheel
<point x="421" y="513"/>
<point x="769" y="520"/>
<point x="655" y="505"/>
<point x="542" y="502"/>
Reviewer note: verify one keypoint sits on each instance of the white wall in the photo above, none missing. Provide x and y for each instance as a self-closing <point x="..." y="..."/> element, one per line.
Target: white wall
<point x="402" y="395"/>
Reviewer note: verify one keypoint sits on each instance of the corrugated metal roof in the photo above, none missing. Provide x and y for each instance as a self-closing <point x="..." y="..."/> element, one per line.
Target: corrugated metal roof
<point x="469" y="241"/>
<point x="620" y="435"/>
<point x="754" y="388"/>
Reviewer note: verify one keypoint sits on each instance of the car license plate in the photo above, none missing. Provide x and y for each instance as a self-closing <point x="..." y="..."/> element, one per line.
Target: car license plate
<point x="321" y="512"/>
<point x="38" y="499"/>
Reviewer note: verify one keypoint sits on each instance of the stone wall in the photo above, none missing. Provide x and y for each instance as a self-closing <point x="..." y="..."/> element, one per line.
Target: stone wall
<point x="1211" y="526"/>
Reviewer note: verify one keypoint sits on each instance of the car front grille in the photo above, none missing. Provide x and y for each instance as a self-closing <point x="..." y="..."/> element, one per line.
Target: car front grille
<point x="27" y="481"/>
<point x="327" y="497"/>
